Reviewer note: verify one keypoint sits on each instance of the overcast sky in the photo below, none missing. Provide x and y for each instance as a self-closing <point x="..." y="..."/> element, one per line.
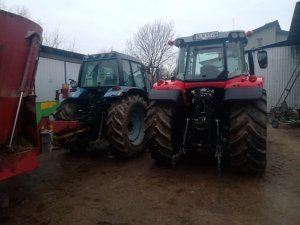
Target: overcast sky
<point x="97" y="25"/>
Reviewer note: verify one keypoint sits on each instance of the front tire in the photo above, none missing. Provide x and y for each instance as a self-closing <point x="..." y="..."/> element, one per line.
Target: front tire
<point x="248" y="133"/>
<point x="125" y="126"/>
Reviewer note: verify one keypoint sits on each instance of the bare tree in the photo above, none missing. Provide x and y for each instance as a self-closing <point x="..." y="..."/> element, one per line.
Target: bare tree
<point x="150" y="43"/>
<point x="53" y="39"/>
<point x="19" y="10"/>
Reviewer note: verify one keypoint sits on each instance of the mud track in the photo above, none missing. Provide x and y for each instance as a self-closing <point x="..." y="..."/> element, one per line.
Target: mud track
<point x="94" y="189"/>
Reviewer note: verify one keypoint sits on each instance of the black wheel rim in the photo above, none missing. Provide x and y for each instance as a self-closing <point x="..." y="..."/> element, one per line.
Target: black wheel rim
<point x="135" y="126"/>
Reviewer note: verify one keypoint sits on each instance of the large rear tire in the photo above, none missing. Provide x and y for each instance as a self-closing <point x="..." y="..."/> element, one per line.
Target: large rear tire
<point x="125" y="126"/>
<point x="248" y="133"/>
<point x="162" y="131"/>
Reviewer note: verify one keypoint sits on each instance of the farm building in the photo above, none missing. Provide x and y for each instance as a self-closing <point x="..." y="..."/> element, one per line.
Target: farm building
<point x="55" y="68"/>
<point x="282" y="76"/>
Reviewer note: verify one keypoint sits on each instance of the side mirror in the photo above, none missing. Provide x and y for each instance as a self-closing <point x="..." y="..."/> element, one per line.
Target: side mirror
<point x="262" y="58"/>
<point x="73" y="83"/>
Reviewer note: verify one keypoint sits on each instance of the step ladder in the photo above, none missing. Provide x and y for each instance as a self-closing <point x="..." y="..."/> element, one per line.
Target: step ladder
<point x="289" y="85"/>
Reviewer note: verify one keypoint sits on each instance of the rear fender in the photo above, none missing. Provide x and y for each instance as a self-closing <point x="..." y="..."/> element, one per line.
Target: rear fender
<point x="173" y="96"/>
<point x="242" y="88"/>
<point x="123" y="91"/>
<point x="243" y="93"/>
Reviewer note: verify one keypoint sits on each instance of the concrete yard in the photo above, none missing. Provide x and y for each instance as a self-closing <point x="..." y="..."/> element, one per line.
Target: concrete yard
<point x="94" y="189"/>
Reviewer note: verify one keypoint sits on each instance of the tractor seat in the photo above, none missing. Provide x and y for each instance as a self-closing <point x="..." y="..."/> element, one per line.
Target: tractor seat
<point x="110" y="81"/>
<point x="209" y="71"/>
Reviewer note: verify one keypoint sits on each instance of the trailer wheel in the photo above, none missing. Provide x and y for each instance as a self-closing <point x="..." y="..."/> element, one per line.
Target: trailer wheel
<point x="125" y="126"/>
<point x="248" y="133"/>
<point x="163" y="132"/>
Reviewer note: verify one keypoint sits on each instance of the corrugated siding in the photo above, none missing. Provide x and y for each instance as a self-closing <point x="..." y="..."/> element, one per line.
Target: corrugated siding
<point x="282" y="61"/>
<point x="72" y="71"/>
<point x="50" y="76"/>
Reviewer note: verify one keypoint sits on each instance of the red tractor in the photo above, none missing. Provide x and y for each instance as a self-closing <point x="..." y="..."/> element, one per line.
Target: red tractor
<point x="214" y="102"/>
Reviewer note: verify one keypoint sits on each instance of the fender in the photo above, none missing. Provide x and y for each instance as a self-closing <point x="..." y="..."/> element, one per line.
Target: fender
<point x="243" y="93"/>
<point x="124" y="90"/>
<point x="166" y="95"/>
<point x="243" y="88"/>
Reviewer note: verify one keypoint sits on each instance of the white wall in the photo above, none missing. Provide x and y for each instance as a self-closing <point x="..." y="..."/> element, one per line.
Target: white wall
<point x="50" y="76"/>
<point x="282" y="62"/>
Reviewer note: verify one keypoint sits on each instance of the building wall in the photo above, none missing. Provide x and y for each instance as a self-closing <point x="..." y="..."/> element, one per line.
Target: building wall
<point x="282" y="62"/>
<point x="50" y="76"/>
<point x="281" y="37"/>
<point x="268" y="36"/>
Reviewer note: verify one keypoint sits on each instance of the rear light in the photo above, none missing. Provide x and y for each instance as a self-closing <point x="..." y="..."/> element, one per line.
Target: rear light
<point x="249" y="33"/>
<point x="116" y="88"/>
<point x="252" y="78"/>
<point x="170" y="42"/>
<point x="160" y="82"/>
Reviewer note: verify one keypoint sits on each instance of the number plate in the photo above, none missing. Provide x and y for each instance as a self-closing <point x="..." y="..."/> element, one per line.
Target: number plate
<point x="205" y="36"/>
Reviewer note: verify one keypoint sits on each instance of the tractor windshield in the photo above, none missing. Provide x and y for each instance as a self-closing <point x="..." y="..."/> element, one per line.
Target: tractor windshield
<point x="210" y="62"/>
<point x="99" y="73"/>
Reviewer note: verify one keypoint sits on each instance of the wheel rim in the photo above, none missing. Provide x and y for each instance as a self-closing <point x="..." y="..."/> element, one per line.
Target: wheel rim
<point x="135" y="125"/>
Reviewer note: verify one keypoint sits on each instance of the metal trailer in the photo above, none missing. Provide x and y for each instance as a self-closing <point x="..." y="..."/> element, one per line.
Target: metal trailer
<point x="19" y="139"/>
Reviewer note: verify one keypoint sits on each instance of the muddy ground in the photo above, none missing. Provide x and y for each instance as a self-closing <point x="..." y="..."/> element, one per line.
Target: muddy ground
<point x="95" y="189"/>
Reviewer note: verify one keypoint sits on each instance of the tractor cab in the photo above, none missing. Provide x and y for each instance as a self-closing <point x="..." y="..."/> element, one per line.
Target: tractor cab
<point x="107" y="70"/>
<point x="212" y="56"/>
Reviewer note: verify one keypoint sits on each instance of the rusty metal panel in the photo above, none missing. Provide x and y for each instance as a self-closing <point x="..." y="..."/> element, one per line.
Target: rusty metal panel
<point x="282" y="62"/>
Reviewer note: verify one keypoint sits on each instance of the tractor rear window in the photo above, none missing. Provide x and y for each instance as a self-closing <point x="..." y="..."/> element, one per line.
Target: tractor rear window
<point x="211" y="62"/>
<point x="99" y="73"/>
<point x="203" y="63"/>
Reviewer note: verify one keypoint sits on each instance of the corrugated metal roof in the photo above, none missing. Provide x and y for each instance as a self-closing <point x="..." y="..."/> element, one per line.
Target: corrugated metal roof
<point x="59" y="54"/>
<point x="294" y="34"/>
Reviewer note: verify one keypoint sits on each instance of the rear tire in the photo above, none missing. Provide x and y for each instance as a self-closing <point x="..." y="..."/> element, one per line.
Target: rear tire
<point x="125" y="126"/>
<point x="248" y="133"/>
<point x="162" y="131"/>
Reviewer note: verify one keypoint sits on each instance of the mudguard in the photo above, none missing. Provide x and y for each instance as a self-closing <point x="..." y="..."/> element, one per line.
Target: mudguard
<point x="243" y="93"/>
<point x="78" y="93"/>
<point x="166" y="95"/>
<point x="123" y="90"/>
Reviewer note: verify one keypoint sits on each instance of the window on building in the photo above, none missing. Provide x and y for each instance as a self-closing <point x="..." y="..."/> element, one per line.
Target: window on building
<point x="259" y="42"/>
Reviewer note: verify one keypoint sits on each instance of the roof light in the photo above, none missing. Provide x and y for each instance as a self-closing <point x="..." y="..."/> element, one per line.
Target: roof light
<point x="252" y="78"/>
<point x="242" y="35"/>
<point x="179" y="42"/>
<point x="116" y="88"/>
<point x="249" y="33"/>
<point x="171" y="43"/>
<point x="234" y="35"/>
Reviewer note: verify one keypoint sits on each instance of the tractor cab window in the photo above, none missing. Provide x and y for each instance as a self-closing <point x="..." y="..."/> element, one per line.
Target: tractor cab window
<point x="138" y="75"/>
<point x="211" y="62"/>
<point x="235" y="59"/>
<point x="128" y="79"/>
<point x="201" y="63"/>
<point x="100" y="73"/>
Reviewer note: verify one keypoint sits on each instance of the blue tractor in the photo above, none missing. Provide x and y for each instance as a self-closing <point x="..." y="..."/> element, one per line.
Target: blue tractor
<point x="108" y="103"/>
